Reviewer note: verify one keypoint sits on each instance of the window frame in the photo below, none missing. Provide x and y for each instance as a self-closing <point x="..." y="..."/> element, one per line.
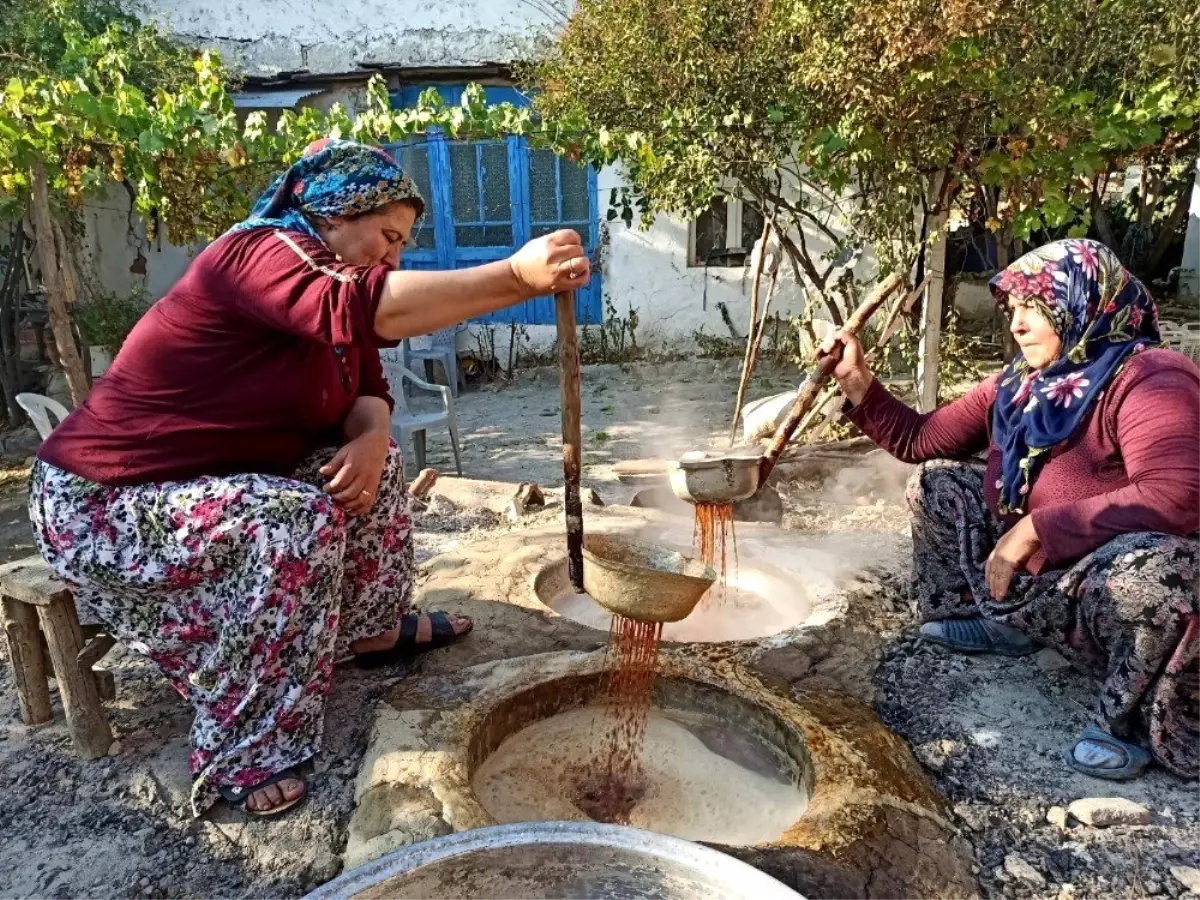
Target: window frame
<point x="734" y="208"/>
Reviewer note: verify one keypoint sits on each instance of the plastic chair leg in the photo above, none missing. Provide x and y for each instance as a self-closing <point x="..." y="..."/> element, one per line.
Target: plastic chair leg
<point x="454" y="445"/>
<point x="418" y="439"/>
<point x="453" y="374"/>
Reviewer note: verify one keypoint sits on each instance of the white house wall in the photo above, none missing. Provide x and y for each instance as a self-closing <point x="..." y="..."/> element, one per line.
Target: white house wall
<point x="269" y="36"/>
<point x="1189" y="275"/>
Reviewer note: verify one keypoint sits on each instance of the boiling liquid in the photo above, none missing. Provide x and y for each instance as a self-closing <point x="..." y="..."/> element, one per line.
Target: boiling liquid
<point x="698" y="779"/>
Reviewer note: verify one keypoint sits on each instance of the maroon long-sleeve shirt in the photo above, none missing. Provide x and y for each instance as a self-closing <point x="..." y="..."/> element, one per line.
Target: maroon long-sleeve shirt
<point x="1132" y="465"/>
<point x="248" y="364"/>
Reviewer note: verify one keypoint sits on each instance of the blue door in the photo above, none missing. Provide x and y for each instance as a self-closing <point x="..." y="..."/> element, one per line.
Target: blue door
<point x="487" y="198"/>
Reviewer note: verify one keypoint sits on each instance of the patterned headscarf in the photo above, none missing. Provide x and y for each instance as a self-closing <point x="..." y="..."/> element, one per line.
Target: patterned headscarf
<point x="1102" y="314"/>
<point x="332" y="178"/>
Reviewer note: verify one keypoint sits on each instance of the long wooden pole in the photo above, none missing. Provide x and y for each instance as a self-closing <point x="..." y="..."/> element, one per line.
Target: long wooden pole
<point x="824" y="369"/>
<point x="568" y="354"/>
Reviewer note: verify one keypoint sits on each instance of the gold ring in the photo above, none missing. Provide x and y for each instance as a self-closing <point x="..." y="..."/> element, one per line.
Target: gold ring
<point x="365" y="494"/>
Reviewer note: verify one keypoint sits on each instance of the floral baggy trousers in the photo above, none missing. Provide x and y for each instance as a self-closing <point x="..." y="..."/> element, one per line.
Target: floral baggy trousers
<point x="243" y="589"/>
<point x="1126" y="613"/>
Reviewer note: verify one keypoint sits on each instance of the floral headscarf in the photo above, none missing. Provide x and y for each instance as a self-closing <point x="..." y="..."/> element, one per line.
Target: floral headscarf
<point x="332" y="178"/>
<point x="1102" y="314"/>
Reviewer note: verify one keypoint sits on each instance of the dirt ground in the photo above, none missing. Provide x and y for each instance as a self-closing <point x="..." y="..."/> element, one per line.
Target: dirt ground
<point x="988" y="730"/>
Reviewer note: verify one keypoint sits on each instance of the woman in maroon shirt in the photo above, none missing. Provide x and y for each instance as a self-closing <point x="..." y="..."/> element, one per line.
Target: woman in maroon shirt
<point x="227" y="500"/>
<point x="1079" y="533"/>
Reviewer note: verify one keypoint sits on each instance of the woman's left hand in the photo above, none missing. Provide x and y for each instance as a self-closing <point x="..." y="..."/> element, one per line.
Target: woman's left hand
<point x="354" y="473"/>
<point x="1011" y="553"/>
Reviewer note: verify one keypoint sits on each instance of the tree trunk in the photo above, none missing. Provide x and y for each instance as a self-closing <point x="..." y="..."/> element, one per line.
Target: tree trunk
<point x="58" y="283"/>
<point x="10" y="342"/>
<point x="929" y="349"/>
<point x="1003" y="259"/>
<point x="1169" y="230"/>
<point x="1100" y="214"/>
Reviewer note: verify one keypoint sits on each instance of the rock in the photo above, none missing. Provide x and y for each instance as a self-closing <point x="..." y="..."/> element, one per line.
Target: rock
<point x="1050" y="661"/>
<point x="1023" y="872"/>
<point x="1102" y="812"/>
<point x="1057" y="815"/>
<point x="935" y="754"/>
<point x="975" y="818"/>
<point x="930" y="756"/>
<point x="1188" y="877"/>
<point x="1066" y="892"/>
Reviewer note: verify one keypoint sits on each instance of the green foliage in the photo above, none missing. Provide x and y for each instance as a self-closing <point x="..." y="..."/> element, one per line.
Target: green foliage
<point x="99" y="99"/>
<point x="613" y="340"/>
<point x="1029" y="98"/>
<point x="106" y="320"/>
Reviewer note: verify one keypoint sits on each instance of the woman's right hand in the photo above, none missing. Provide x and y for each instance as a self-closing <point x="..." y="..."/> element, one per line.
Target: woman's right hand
<point x="550" y="264"/>
<point x="852" y="372"/>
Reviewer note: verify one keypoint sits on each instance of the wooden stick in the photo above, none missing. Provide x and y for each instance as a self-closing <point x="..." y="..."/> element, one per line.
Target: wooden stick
<point x="77" y="687"/>
<point x="568" y="352"/>
<point x="904" y="304"/>
<point x="28" y="661"/>
<point x="824" y="370"/>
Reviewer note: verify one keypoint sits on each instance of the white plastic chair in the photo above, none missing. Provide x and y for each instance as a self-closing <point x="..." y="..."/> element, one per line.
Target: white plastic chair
<point x="1182" y="337"/>
<point x="407" y="425"/>
<point x="40" y="409"/>
<point x="443" y="348"/>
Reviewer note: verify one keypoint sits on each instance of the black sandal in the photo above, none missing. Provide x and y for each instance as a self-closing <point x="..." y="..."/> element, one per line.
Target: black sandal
<point x="442" y="634"/>
<point x="237" y="796"/>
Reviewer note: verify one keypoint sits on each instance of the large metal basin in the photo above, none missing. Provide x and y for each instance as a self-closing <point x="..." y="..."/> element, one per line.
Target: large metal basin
<point x="555" y="861"/>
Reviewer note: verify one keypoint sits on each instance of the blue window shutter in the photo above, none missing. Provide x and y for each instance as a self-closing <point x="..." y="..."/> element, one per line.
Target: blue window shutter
<point x="439" y="175"/>
<point x="447" y="255"/>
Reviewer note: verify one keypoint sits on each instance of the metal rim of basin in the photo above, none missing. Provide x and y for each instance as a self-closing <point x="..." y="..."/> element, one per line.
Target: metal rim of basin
<point x="740" y="879"/>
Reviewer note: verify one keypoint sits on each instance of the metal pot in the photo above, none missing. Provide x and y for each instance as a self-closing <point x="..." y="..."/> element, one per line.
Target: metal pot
<point x="725" y="479"/>
<point x="556" y="861"/>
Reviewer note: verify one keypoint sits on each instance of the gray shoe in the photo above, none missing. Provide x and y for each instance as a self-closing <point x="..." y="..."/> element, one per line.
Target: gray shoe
<point x="978" y="635"/>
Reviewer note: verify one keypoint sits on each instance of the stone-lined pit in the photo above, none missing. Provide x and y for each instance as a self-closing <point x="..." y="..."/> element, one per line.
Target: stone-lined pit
<point x="872" y="826"/>
<point x="714" y="767"/>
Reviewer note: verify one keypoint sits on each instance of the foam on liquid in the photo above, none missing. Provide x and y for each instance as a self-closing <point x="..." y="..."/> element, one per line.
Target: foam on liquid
<point x="690" y="790"/>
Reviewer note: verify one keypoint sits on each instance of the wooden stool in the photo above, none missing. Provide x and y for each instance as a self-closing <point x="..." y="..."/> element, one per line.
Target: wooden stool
<point x="31" y="594"/>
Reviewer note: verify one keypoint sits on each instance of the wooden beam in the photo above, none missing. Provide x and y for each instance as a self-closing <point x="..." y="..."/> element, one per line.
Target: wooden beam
<point x="568" y="353"/>
<point x="28" y="661"/>
<point x="32" y="581"/>
<point x="77" y="687"/>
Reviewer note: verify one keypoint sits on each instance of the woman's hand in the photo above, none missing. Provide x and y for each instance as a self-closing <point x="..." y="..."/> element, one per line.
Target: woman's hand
<point x="354" y="473"/>
<point x="852" y="372"/>
<point x="1011" y="553"/>
<point x="550" y="264"/>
